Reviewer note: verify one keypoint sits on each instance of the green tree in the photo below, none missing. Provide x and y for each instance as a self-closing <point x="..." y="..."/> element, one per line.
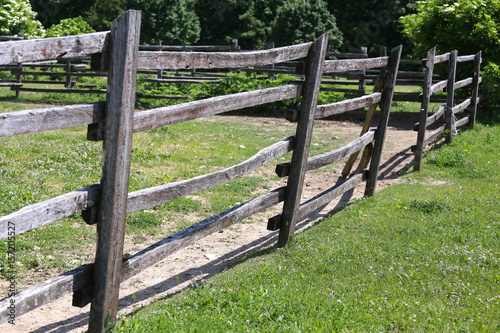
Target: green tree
<point x="17" y="16"/>
<point x="173" y="21"/>
<point x="370" y="23"/>
<point x="71" y="26"/>
<point x="104" y="12"/>
<point x="50" y="12"/>
<point x="299" y="21"/>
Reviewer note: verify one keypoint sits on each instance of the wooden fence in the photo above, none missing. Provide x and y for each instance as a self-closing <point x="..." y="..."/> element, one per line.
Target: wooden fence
<point x="449" y="113"/>
<point x="107" y="204"/>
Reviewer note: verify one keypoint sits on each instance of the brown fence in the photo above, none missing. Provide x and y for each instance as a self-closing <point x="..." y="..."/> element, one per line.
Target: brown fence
<point x="449" y="113"/>
<point x="107" y="204"/>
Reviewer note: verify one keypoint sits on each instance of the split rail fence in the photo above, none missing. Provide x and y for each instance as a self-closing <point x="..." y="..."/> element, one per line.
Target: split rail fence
<point x="114" y="121"/>
<point x="453" y="116"/>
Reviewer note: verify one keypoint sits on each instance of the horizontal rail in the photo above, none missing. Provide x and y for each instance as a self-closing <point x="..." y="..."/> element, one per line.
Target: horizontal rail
<point x="33" y="121"/>
<point x="438" y="86"/>
<point x="347" y="55"/>
<point x="321" y="160"/>
<point x="433" y="118"/>
<point x="462" y="106"/>
<point x="164" y="248"/>
<point x="321" y="199"/>
<point x="53" y="48"/>
<point x="47" y="291"/>
<point x="334" y="66"/>
<point x="48" y="211"/>
<point x="182" y="80"/>
<point x="463" y="83"/>
<point x="462" y="122"/>
<point x="434" y="135"/>
<point x="326" y="110"/>
<point x="51" y="210"/>
<point x="188" y="48"/>
<point x="146" y="120"/>
<point x="466" y="58"/>
<point x="61" y="91"/>
<point x="207" y="60"/>
<point x="442" y="58"/>
<point x="157" y="195"/>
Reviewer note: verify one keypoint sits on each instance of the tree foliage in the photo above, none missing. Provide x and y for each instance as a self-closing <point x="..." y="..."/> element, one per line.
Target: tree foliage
<point x="50" y="12"/>
<point x="370" y="23"/>
<point x="104" y="12"/>
<point x="17" y="16"/>
<point x="173" y="21"/>
<point x="299" y="21"/>
<point x="71" y="26"/>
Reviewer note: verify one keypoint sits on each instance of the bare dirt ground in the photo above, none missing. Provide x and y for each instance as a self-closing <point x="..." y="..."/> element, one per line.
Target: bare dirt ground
<point x="219" y="251"/>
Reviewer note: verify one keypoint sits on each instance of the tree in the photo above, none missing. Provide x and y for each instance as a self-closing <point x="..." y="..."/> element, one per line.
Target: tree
<point x="299" y="21"/>
<point x="71" y="26"/>
<point x="173" y="21"/>
<point x="370" y="23"/>
<point x="17" y="16"/>
<point x="104" y="12"/>
<point x="50" y="12"/>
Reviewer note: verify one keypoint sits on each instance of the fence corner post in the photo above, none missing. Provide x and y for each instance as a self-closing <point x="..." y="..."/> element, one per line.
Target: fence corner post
<point x="385" y="109"/>
<point x="314" y="73"/>
<point x="117" y="147"/>
<point x="424" y="110"/>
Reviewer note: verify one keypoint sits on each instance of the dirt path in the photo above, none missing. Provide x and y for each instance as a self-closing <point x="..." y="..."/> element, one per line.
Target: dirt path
<point x="219" y="251"/>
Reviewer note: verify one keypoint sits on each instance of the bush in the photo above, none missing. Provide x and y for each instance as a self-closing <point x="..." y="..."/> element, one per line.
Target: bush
<point x="72" y="26"/>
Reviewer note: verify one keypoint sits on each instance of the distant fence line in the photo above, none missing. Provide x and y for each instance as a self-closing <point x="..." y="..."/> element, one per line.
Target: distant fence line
<point x="107" y="204"/>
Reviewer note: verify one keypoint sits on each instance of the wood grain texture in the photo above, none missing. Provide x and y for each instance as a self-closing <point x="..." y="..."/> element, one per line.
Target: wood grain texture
<point x="463" y="83"/>
<point x="432" y="119"/>
<point x="321" y="160"/>
<point x="117" y="147"/>
<point x="47" y="291"/>
<point x="53" y="48"/>
<point x="438" y="86"/>
<point x="462" y="106"/>
<point x="462" y="121"/>
<point x="181" y="239"/>
<point x="424" y="108"/>
<point x="385" y="108"/>
<point x="159" y="117"/>
<point x="434" y="135"/>
<point x="335" y="66"/>
<point x="442" y="58"/>
<point x="466" y="58"/>
<point x="154" y="196"/>
<point x="314" y="73"/>
<point x="48" y="211"/>
<point x="213" y="60"/>
<point x="450" y="96"/>
<point x="33" y="121"/>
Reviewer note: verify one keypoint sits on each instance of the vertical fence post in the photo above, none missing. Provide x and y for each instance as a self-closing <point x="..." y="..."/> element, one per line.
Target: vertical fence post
<point x="385" y="109"/>
<point x="450" y="96"/>
<point x="271" y="75"/>
<point x="475" y="89"/>
<point x="424" y="110"/>
<point x="117" y="148"/>
<point x="362" y="81"/>
<point x="159" y="72"/>
<point x="314" y="73"/>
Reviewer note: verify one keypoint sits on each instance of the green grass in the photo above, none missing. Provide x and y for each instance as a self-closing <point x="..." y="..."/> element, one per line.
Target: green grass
<point x="421" y="256"/>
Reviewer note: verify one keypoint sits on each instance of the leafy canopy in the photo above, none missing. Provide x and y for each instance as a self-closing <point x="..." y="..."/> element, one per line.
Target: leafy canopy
<point x="17" y="16"/>
<point x="71" y="26"/>
<point x="299" y="21"/>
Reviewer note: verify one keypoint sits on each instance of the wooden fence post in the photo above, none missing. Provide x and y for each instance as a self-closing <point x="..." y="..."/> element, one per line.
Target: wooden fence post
<point x="385" y="109"/>
<point x="450" y="97"/>
<point x="475" y="89"/>
<point x="314" y="73"/>
<point x="362" y="82"/>
<point x="159" y="72"/>
<point x="117" y="147"/>
<point x="424" y="111"/>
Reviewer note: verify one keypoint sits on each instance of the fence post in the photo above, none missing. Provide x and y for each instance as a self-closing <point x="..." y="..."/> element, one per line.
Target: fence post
<point x="450" y="97"/>
<point x="475" y="89"/>
<point x="314" y="73"/>
<point x="271" y="75"/>
<point x="424" y="110"/>
<point x="19" y="78"/>
<point x="159" y="72"/>
<point x="362" y="82"/>
<point x="117" y="148"/>
<point x="385" y="109"/>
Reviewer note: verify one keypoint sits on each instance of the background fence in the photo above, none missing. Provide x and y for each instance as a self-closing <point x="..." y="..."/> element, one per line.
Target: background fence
<point x="118" y="56"/>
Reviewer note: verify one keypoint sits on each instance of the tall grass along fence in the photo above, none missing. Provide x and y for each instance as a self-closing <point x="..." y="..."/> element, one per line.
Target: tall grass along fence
<point x="453" y="116"/>
<point x="114" y="121"/>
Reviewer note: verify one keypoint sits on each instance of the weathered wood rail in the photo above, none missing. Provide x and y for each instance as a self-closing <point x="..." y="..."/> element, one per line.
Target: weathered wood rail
<point x="107" y="204"/>
<point x="448" y="112"/>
